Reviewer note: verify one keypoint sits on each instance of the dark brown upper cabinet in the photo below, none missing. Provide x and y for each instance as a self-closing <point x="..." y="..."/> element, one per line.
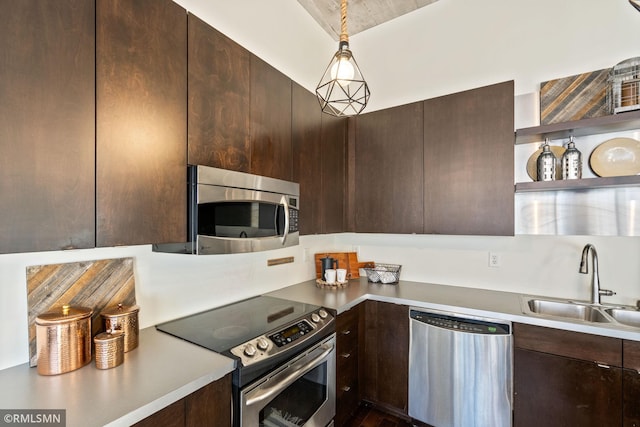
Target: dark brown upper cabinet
<point x="306" y="125"/>
<point x="47" y="129"/>
<point x="270" y="112"/>
<point x="141" y="74"/>
<point x="468" y="162"/>
<point x="389" y="170"/>
<point x="334" y="170"/>
<point x="319" y="164"/>
<point x="219" y="99"/>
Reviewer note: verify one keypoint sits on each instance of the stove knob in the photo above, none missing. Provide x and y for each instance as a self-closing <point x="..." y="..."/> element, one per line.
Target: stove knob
<point x="263" y="344"/>
<point x="323" y="313"/>
<point x="315" y="318"/>
<point x="250" y="350"/>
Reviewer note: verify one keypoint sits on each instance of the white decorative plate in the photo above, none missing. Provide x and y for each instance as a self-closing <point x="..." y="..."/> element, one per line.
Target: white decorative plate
<point x="616" y="157"/>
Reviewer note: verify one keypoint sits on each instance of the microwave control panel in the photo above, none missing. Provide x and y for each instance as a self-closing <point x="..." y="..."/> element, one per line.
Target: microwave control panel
<point x="293" y="220"/>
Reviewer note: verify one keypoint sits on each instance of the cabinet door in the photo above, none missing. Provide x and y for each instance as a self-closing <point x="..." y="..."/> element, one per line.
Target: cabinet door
<point x="218" y="99"/>
<point x="141" y="122"/>
<point x="631" y="384"/>
<point x="631" y="398"/>
<point x="552" y="391"/>
<point x="211" y="405"/>
<point x="47" y="125"/>
<point x="271" y="153"/>
<point x="347" y="383"/>
<point x="468" y="162"/>
<point x="386" y="355"/>
<point x="306" y="125"/>
<point x="319" y="164"/>
<point x="333" y="155"/>
<point x="388" y="170"/>
<point x="170" y="416"/>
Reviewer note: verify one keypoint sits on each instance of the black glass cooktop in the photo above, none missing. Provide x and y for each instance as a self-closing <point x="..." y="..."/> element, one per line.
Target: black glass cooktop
<point x="223" y="328"/>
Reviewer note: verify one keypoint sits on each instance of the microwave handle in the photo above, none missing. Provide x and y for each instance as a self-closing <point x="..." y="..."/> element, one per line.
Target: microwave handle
<point x="283" y="201"/>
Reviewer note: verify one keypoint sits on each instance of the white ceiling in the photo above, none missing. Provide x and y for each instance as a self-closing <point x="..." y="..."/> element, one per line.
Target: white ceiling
<point x="361" y="14"/>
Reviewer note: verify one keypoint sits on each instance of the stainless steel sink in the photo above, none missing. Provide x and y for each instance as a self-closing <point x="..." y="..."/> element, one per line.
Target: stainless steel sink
<point x="581" y="311"/>
<point x="568" y="310"/>
<point x="626" y="316"/>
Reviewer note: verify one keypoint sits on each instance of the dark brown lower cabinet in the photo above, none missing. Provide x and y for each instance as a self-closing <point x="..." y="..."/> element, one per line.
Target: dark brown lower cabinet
<point x="347" y="382"/>
<point x="553" y="390"/>
<point x="385" y="369"/>
<point x="631" y="398"/>
<point x="208" y="406"/>
<point x="557" y="381"/>
<point x="631" y="384"/>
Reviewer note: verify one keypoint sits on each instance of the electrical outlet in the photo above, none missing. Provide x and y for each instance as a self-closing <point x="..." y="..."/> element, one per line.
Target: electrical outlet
<point x="494" y="259"/>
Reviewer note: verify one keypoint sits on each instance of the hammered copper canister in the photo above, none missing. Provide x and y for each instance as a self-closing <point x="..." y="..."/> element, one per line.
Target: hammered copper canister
<point x="63" y="339"/>
<point x="123" y="318"/>
<point x="109" y="349"/>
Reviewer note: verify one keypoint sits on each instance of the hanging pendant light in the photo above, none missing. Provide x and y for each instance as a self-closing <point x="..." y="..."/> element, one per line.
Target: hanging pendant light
<point x="342" y="90"/>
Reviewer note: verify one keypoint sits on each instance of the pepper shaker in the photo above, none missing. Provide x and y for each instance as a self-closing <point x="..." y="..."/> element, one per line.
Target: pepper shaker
<point x="546" y="163"/>
<point x="571" y="162"/>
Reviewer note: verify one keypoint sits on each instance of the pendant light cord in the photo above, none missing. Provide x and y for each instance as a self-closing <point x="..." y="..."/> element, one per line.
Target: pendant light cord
<point x="344" y="37"/>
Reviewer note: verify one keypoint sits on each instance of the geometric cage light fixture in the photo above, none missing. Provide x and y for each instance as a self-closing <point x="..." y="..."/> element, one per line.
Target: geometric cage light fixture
<point x="342" y="90"/>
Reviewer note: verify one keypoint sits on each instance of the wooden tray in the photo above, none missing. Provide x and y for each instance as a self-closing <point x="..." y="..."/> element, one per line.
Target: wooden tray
<point x="346" y="260"/>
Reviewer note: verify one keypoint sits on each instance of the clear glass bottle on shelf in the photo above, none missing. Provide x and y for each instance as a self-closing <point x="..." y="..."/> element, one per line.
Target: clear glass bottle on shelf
<point x="546" y="163"/>
<point x="571" y="162"/>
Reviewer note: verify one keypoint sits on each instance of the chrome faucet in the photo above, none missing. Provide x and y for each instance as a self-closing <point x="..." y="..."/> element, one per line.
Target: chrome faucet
<point x="596" y="292"/>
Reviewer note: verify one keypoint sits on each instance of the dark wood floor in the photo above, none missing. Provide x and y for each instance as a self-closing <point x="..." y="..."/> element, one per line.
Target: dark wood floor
<point x="368" y="416"/>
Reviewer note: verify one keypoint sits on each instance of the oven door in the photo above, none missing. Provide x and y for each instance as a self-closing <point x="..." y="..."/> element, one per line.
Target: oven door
<point x="301" y="392"/>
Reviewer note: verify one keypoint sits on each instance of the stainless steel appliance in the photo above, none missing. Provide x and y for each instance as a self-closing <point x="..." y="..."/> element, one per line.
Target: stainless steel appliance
<point x="231" y="212"/>
<point x="460" y="369"/>
<point x="286" y="360"/>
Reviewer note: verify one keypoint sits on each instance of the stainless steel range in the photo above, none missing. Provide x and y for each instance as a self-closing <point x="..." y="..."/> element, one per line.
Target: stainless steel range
<point x="285" y="353"/>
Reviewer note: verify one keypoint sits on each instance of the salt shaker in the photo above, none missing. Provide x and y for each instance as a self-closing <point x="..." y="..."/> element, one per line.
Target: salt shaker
<point x="571" y="162"/>
<point x="546" y="163"/>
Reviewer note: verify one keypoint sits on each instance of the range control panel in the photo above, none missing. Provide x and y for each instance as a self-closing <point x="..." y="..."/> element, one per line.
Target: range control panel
<point x="275" y="342"/>
<point x="291" y="333"/>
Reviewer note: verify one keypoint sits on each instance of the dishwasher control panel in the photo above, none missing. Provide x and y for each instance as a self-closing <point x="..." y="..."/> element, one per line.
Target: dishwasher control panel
<point x="461" y="324"/>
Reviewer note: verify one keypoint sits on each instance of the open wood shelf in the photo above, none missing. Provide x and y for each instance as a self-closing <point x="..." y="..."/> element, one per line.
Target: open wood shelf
<point x="612" y="123"/>
<point x="579" y="184"/>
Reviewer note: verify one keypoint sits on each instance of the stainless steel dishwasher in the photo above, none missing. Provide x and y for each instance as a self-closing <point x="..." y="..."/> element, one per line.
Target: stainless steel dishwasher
<point x="460" y="369"/>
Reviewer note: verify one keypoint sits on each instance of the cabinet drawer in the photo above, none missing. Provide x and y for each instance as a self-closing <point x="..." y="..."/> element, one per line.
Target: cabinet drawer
<point x="346" y="405"/>
<point x="347" y="368"/>
<point x="576" y="345"/>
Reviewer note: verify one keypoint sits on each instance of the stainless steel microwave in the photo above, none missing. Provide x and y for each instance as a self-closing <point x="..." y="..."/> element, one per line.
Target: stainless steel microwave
<point x="236" y="212"/>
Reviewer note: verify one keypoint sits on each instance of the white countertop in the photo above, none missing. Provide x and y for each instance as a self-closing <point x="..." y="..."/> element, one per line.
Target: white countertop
<point x="469" y="301"/>
<point x="160" y="371"/>
<point x="164" y="369"/>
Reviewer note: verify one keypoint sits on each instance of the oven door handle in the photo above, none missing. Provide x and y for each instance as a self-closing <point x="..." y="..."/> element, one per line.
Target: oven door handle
<point x="290" y="375"/>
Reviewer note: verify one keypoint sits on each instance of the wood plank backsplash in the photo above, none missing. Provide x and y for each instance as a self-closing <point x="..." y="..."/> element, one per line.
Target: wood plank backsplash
<point x="94" y="284"/>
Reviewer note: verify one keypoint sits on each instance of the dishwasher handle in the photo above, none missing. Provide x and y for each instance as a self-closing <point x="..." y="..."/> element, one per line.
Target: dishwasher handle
<point x="461" y="323"/>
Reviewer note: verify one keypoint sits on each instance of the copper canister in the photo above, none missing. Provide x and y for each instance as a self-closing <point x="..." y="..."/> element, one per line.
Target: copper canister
<point x="123" y="318"/>
<point x="109" y="349"/>
<point x="63" y="339"/>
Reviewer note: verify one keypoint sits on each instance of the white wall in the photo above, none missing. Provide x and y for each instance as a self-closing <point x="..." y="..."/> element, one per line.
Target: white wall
<point x="445" y="47"/>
